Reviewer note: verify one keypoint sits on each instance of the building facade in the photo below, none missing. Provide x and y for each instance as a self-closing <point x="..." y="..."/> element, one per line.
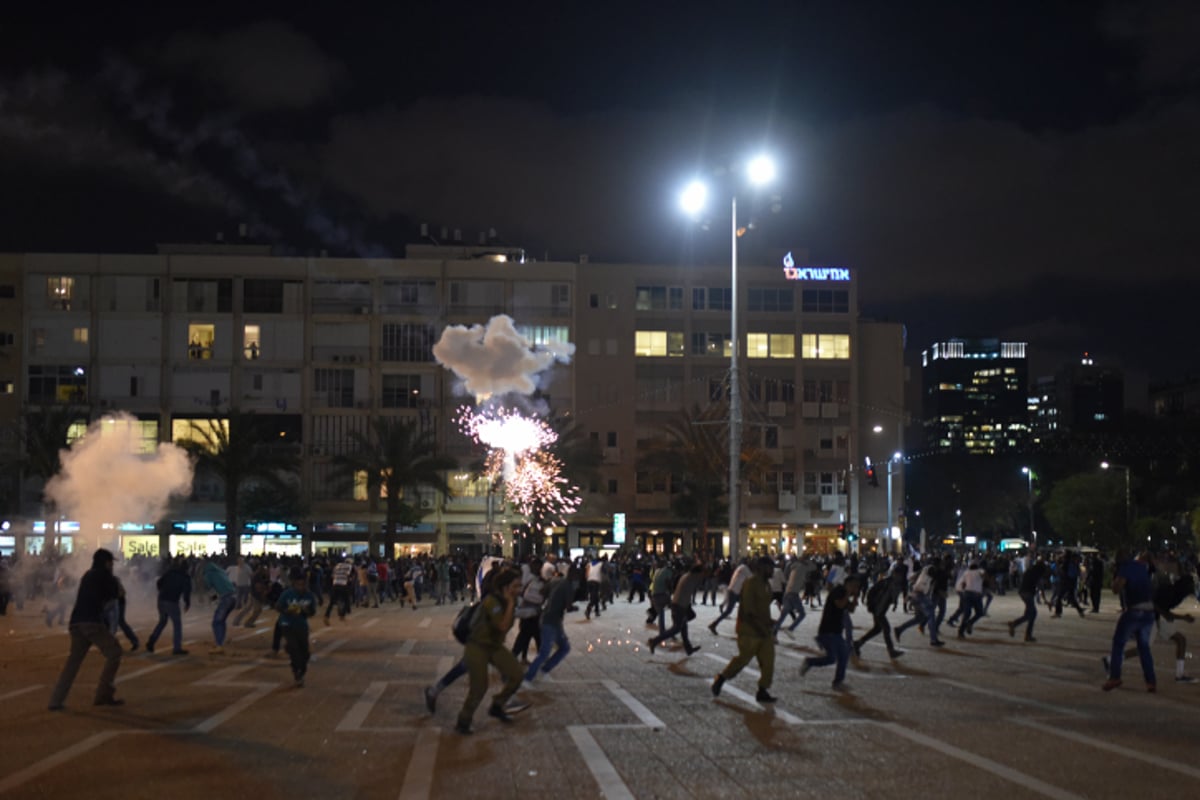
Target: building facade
<point x="975" y="397"/>
<point x="318" y="347"/>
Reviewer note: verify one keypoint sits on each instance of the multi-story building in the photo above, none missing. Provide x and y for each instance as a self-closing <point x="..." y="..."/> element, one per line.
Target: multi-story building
<point x="975" y="396"/>
<point x="10" y="397"/>
<point x="317" y="347"/>
<point x="1082" y="397"/>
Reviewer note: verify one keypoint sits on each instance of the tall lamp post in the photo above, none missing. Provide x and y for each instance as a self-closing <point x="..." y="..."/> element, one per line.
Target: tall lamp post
<point x="1032" y="533"/>
<point x="891" y="468"/>
<point x="1128" y="506"/>
<point x="759" y="171"/>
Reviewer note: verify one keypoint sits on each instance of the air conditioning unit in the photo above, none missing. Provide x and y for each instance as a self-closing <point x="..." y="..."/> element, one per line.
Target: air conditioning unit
<point x="787" y="501"/>
<point x="776" y="408"/>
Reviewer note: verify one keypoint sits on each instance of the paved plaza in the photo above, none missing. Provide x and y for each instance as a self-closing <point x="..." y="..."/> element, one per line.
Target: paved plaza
<point x="989" y="717"/>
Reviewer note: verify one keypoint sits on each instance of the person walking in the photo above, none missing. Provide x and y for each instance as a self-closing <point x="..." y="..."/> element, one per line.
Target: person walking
<point x="831" y="632"/>
<point x="755" y="633"/>
<point x="797" y="576"/>
<point x="661" y="587"/>
<point x="681" y="610"/>
<point x="88" y="626"/>
<point x="174" y="586"/>
<point x="295" y="606"/>
<point x="485" y="645"/>
<point x="219" y="584"/>
<point x="339" y="593"/>
<point x="595" y="570"/>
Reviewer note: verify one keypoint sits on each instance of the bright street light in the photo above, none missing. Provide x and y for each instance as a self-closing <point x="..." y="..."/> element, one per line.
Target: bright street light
<point x="1128" y="506"/>
<point x="759" y="171"/>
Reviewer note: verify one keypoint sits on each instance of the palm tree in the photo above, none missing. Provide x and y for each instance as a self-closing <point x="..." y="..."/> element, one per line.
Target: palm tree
<point x="396" y="456"/>
<point x="244" y="457"/>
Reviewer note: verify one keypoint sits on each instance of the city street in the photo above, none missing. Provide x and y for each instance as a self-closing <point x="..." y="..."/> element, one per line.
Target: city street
<point x="988" y="717"/>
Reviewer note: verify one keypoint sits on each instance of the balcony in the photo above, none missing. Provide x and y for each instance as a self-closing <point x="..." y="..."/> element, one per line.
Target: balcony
<point x="341" y="354"/>
<point x="339" y="305"/>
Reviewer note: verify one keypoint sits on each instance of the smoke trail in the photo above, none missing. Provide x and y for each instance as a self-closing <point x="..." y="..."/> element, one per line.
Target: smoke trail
<point x="106" y="480"/>
<point x="495" y="359"/>
<point x="154" y="112"/>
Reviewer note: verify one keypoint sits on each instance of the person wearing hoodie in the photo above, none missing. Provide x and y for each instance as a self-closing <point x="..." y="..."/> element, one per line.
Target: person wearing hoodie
<point x="219" y="584"/>
<point x="173" y="587"/>
<point x="98" y="590"/>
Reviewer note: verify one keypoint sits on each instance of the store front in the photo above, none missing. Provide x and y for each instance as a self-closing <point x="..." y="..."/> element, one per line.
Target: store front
<point x="341" y="538"/>
<point x="823" y="540"/>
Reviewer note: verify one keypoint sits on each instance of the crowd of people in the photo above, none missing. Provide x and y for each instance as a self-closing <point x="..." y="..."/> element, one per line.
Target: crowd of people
<point x="766" y="595"/>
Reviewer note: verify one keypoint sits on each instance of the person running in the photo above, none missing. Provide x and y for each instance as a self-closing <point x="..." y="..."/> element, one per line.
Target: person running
<point x="174" y="587"/>
<point x="1167" y="596"/>
<point x="340" y="595"/>
<point x="219" y="583"/>
<point x="797" y="577"/>
<point x="880" y="599"/>
<point x="924" y="601"/>
<point x="970" y="583"/>
<point x="831" y="632"/>
<point x="1029" y="588"/>
<point x="529" y="612"/>
<point x="1132" y="581"/>
<point x="660" y="596"/>
<point x="681" y="610"/>
<point x="732" y="593"/>
<point x="88" y="626"/>
<point x="553" y="647"/>
<point x="295" y="606"/>
<point x="485" y="645"/>
<point x="595" y="570"/>
<point x="755" y="633"/>
<point x="1068" y="583"/>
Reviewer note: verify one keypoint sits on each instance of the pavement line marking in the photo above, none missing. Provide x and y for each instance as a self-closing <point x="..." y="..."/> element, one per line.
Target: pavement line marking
<point x="606" y="775"/>
<point x="645" y="715"/>
<point x="370" y="622"/>
<point x="50" y="762"/>
<point x="425" y="623"/>
<point x="357" y="714"/>
<point x="207" y="726"/>
<point x="857" y="673"/>
<point x="20" y="692"/>
<point x="1161" y="763"/>
<point x="153" y="668"/>
<point x="986" y="764"/>
<point x="334" y="645"/>
<point x="1012" y="698"/>
<point x="746" y="697"/>
<point x="418" y="778"/>
<point x="406" y="647"/>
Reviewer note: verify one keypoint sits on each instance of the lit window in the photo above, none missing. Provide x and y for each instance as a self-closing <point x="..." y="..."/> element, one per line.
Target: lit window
<point x="206" y="432"/>
<point x="252" y="342"/>
<point x="80" y="335"/>
<point x="825" y="345"/>
<point x="770" y="345"/>
<point x="60" y="291"/>
<point x="783" y="345"/>
<point x="6" y="387"/>
<point x="200" y="341"/>
<point x="658" y="343"/>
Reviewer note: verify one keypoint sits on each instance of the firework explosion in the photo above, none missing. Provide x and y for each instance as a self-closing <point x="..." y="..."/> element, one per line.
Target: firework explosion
<point x="533" y="480"/>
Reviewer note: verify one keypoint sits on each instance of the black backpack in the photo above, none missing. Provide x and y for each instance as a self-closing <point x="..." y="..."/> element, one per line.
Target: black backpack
<point x="463" y="622"/>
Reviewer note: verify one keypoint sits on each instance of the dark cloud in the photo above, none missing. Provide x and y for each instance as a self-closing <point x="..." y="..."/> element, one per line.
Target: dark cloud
<point x="263" y="66"/>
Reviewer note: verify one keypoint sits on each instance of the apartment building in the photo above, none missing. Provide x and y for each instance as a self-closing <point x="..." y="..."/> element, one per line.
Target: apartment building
<point x="317" y="347"/>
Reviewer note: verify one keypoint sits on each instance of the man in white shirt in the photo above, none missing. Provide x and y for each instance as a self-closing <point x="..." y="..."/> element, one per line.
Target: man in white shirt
<point x="970" y="583"/>
<point x="733" y="593"/>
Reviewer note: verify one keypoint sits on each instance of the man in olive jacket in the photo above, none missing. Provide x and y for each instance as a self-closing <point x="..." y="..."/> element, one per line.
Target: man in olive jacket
<point x="755" y="633"/>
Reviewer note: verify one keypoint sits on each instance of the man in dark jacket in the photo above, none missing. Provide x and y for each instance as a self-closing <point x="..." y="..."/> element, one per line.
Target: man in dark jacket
<point x="88" y="626"/>
<point x="174" y="586"/>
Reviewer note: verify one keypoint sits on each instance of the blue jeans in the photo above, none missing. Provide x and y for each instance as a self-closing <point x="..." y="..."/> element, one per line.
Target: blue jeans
<point x="1030" y="614"/>
<point x="1136" y="624"/>
<point x="836" y="650"/>
<point x="972" y="610"/>
<point x="552" y="636"/>
<point x="791" y="603"/>
<point x="168" y="611"/>
<point x="224" y="607"/>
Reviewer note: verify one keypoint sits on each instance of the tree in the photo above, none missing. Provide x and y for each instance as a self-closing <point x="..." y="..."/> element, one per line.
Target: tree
<point x="396" y="458"/>
<point x="693" y="449"/>
<point x="240" y="452"/>
<point x="44" y="436"/>
<point x="1088" y="508"/>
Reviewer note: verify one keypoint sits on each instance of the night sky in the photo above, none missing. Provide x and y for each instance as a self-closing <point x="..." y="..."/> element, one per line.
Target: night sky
<point x="1023" y="170"/>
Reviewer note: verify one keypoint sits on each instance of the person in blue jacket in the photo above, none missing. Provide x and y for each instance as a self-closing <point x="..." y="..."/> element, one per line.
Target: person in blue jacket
<point x="219" y="584"/>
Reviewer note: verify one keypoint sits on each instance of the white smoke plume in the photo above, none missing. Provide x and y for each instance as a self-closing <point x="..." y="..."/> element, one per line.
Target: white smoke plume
<point x="495" y="359"/>
<point x="106" y="480"/>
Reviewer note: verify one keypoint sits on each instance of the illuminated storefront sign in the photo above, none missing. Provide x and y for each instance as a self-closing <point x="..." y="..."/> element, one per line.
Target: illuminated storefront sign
<point x="618" y="529"/>
<point x="794" y="273"/>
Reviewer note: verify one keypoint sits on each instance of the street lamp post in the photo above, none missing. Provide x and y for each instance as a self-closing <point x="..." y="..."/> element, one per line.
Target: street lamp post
<point x="895" y="459"/>
<point x="760" y="171"/>
<point x="1032" y="533"/>
<point x="1128" y="506"/>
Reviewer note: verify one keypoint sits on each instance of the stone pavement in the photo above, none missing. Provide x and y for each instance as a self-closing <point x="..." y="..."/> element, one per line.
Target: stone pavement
<point x="989" y="717"/>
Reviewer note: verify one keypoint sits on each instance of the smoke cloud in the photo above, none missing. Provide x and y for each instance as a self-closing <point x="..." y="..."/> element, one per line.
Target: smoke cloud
<point x="495" y="359"/>
<point x="106" y="480"/>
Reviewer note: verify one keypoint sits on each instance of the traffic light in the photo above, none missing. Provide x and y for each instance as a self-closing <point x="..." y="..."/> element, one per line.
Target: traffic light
<point x="841" y="530"/>
<point x="871" y="476"/>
